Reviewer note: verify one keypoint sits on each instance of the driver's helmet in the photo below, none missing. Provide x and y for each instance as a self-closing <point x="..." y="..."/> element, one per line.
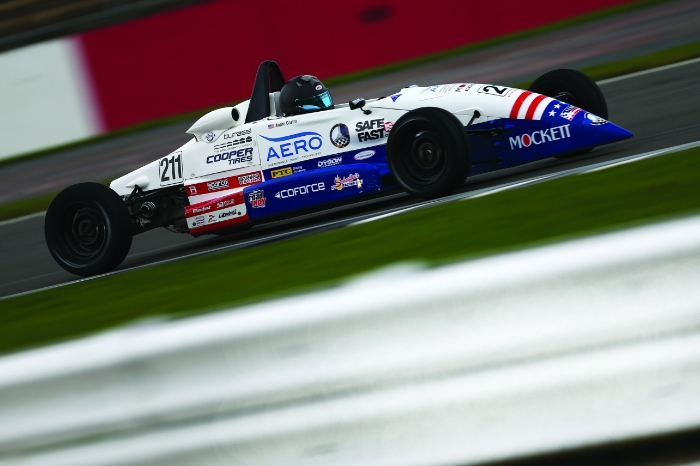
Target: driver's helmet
<point x="304" y="94"/>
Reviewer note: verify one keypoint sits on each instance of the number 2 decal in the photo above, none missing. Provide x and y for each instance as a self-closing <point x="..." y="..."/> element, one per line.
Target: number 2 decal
<point x="494" y="90"/>
<point x="170" y="169"/>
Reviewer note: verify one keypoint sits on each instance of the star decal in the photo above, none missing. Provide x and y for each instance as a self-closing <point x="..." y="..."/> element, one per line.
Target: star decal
<point x="557" y="106"/>
<point x="552" y="113"/>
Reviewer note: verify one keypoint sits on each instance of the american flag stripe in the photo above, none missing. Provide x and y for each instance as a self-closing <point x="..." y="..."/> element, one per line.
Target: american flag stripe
<point x="533" y="107"/>
<point x="518" y="103"/>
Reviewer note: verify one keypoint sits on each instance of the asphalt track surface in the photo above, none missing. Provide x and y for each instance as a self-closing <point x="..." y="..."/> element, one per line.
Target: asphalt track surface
<point x="660" y="108"/>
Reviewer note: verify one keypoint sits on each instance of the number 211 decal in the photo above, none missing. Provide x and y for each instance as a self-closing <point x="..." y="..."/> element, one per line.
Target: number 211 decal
<point x="170" y="169"/>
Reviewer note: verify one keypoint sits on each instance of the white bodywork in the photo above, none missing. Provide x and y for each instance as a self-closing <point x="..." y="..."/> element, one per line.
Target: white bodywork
<point x="224" y="147"/>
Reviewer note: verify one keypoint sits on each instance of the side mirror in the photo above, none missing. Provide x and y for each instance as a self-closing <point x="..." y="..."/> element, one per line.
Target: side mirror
<point x="359" y="103"/>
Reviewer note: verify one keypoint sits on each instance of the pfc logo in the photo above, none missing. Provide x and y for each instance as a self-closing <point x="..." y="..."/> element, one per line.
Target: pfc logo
<point x="280" y="172"/>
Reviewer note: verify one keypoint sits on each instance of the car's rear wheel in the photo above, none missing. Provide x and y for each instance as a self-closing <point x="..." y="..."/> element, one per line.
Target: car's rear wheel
<point x="429" y="153"/>
<point x="574" y="88"/>
<point x="88" y="229"/>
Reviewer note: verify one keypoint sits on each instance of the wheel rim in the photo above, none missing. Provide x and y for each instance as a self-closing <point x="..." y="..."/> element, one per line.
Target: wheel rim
<point x="83" y="229"/>
<point x="426" y="159"/>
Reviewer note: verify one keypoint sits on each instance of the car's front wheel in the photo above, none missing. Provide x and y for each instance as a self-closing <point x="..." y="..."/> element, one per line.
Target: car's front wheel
<point x="88" y="229"/>
<point x="429" y="153"/>
<point x="574" y="88"/>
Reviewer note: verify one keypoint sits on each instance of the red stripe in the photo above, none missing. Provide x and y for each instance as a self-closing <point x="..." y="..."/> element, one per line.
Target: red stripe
<point x="533" y="106"/>
<point x="518" y="103"/>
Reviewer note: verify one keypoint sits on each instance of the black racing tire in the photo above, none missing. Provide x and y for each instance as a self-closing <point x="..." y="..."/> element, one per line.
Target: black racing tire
<point x="88" y="229"/>
<point x="429" y="152"/>
<point x="575" y="88"/>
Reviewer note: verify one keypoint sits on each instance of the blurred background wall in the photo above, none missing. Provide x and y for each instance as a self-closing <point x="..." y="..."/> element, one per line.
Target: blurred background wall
<point x="206" y="54"/>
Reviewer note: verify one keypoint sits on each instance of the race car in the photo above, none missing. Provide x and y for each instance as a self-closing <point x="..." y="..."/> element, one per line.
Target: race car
<point x="290" y="149"/>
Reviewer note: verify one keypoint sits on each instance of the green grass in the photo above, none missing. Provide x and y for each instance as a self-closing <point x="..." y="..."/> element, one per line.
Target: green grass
<point x="628" y="194"/>
<point x="28" y="206"/>
<point x="25" y="206"/>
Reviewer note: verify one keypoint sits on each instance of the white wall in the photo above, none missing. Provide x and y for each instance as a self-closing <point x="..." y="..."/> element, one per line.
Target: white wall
<point x="45" y="98"/>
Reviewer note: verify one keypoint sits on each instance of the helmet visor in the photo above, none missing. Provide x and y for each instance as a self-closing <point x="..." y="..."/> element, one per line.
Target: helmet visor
<point x="317" y="102"/>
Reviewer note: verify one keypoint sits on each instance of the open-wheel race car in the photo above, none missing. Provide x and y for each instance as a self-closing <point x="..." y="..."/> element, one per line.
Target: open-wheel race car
<point x="289" y="149"/>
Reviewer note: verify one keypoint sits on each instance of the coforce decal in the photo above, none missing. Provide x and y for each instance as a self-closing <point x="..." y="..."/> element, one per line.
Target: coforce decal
<point x="301" y="190"/>
<point x="540" y="137"/>
<point x="294" y="144"/>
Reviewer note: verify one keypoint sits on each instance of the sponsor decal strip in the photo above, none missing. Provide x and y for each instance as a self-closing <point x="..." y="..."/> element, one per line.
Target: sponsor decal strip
<point x="222" y="184"/>
<point x="518" y="103"/>
<point x="223" y="211"/>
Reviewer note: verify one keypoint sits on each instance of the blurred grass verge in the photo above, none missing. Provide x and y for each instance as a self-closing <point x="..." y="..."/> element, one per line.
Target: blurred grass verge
<point x="622" y="196"/>
<point x="664" y="57"/>
<point x="29" y="206"/>
<point x="598" y="72"/>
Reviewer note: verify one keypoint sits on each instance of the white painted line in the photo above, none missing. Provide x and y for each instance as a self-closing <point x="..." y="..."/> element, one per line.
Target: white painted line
<point x="511" y="186"/>
<point x="635" y="158"/>
<point x="21" y="219"/>
<point x="653" y="70"/>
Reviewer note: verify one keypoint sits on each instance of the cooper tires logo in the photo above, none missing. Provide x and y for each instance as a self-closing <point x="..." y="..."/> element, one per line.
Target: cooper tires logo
<point x="340" y="135"/>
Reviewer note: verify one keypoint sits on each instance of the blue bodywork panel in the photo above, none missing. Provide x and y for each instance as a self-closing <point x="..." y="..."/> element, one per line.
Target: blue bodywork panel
<point x="311" y="188"/>
<point x="496" y="144"/>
